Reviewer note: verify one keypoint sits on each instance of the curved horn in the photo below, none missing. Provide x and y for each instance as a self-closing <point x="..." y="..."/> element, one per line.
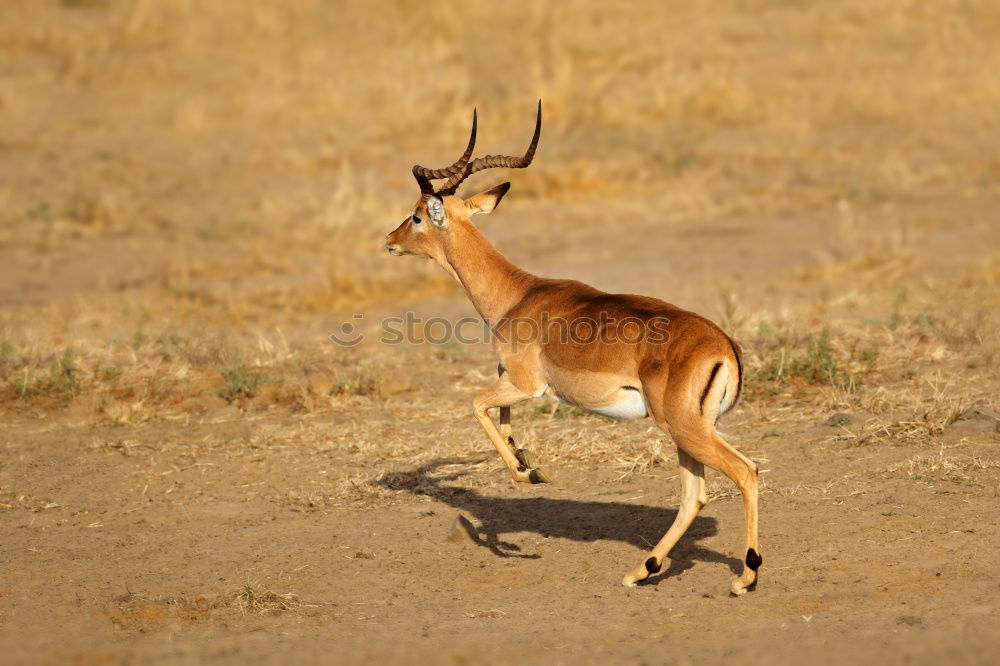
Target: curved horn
<point x="424" y="176"/>
<point x="425" y="184"/>
<point x="491" y="161"/>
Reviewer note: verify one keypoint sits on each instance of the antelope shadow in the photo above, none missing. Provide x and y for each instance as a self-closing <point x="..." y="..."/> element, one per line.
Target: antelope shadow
<point x="588" y="521"/>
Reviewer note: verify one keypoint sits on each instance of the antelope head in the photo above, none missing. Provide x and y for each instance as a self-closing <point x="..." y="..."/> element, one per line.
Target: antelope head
<point x="439" y="211"/>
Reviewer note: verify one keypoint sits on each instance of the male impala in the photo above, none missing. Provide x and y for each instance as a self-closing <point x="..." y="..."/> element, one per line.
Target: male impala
<point x="684" y="371"/>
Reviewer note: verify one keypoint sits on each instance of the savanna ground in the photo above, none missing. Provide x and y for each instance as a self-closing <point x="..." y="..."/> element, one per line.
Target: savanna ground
<point x="193" y="196"/>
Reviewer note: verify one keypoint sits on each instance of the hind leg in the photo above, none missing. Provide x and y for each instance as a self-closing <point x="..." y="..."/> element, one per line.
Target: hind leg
<point x="693" y="499"/>
<point x="704" y="444"/>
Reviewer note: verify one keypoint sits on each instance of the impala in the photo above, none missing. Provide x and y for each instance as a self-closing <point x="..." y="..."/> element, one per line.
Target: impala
<point x="681" y="369"/>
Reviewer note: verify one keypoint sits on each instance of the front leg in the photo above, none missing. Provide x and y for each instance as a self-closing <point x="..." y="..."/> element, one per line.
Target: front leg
<point x="524" y="456"/>
<point x="504" y="394"/>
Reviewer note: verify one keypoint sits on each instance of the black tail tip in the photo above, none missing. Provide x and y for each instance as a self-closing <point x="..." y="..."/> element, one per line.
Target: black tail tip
<point x="754" y="560"/>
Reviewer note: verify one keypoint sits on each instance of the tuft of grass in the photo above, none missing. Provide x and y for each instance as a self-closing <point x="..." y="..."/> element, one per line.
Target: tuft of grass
<point x="255" y="599"/>
<point x="816" y="364"/>
<point x="555" y="410"/>
<point x="84" y="4"/>
<point x="109" y="374"/>
<point x="139" y="340"/>
<point x="242" y="381"/>
<point x="361" y="380"/>
<point x="926" y="417"/>
<point x="128" y="413"/>
<point x="60" y="380"/>
<point x="144" y="613"/>
<point x="9" y="356"/>
<point x="452" y="351"/>
<point x="868" y="355"/>
<point x="839" y="420"/>
<point x="930" y="467"/>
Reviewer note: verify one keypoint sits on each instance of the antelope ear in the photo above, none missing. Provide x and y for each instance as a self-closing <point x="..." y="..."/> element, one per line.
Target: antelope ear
<point x="436" y="210"/>
<point x="485" y="202"/>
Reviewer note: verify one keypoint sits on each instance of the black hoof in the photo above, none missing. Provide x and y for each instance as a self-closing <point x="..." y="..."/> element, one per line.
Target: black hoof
<point x="539" y="476"/>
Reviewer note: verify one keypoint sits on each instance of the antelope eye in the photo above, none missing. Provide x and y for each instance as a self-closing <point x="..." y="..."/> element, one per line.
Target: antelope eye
<point x="416" y="219"/>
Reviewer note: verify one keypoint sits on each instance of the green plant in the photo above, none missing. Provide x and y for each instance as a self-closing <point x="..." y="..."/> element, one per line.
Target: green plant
<point x="109" y="374"/>
<point x="244" y="382"/>
<point x="840" y="420"/>
<point x="766" y="336"/>
<point x="452" y="351"/>
<point x="357" y="381"/>
<point x="60" y="381"/>
<point x="816" y="364"/>
<point x="138" y="340"/>
<point x="868" y="354"/>
<point x="9" y="357"/>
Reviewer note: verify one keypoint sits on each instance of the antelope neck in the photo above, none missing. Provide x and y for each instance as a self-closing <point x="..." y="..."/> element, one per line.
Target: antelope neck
<point x="493" y="284"/>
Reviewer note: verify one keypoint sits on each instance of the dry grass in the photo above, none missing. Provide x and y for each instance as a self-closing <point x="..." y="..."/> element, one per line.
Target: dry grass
<point x="309" y="150"/>
<point x="942" y="466"/>
<point x="219" y="209"/>
<point x="908" y="394"/>
<point x="135" y="611"/>
<point x="257" y="599"/>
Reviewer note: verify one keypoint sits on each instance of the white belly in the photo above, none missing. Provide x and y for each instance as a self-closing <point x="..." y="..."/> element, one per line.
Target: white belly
<point x="632" y="407"/>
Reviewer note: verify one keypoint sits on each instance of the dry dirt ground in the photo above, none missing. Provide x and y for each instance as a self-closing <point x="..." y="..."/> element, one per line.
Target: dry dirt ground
<point x="193" y="197"/>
